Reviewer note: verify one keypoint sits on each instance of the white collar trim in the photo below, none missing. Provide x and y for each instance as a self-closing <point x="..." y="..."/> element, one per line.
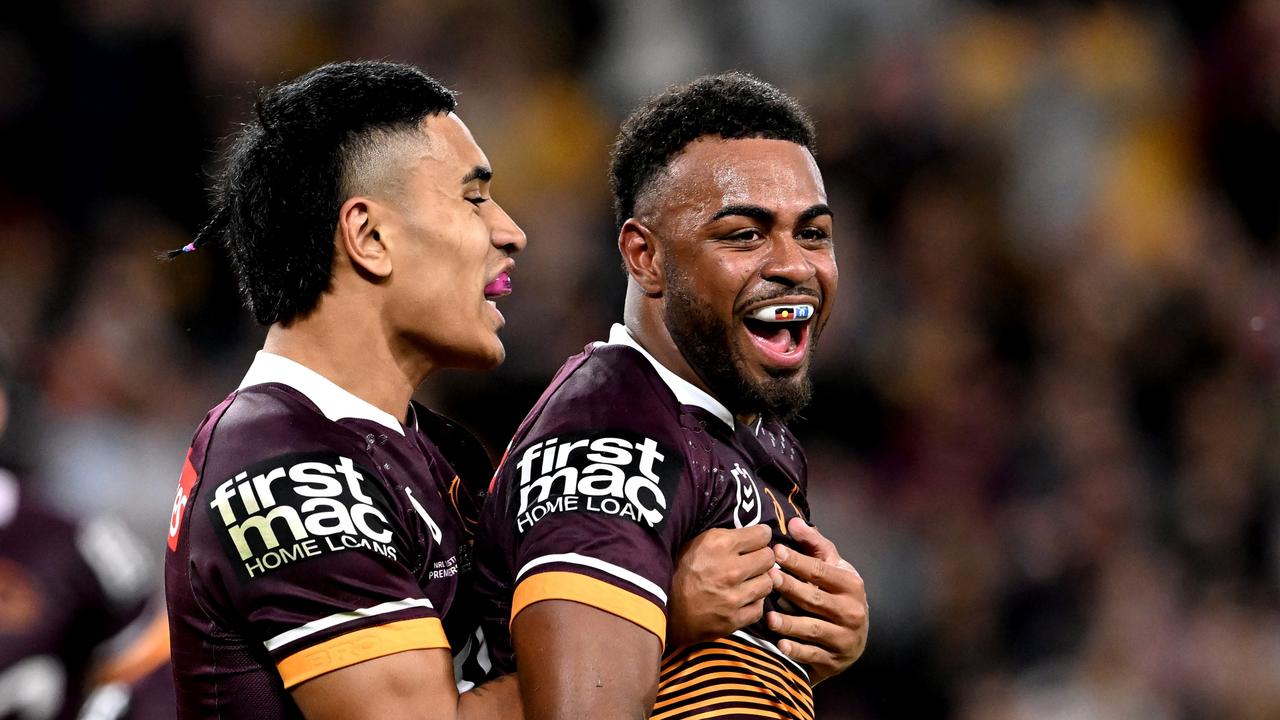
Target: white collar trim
<point x="335" y="402"/>
<point x="686" y="392"/>
<point x="8" y="497"/>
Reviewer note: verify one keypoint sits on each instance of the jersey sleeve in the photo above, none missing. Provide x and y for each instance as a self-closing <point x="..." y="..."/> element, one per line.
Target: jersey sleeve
<point x="592" y="516"/>
<point x="311" y="555"/>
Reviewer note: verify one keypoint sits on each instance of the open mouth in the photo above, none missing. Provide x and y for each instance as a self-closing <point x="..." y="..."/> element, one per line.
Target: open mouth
<point x="780" y="332"/>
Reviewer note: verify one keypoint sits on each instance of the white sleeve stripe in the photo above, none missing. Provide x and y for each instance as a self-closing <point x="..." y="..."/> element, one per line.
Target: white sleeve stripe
<point x="619" y="572"/>
<point x="773" y="649"/>
<point x="336" y="619"/>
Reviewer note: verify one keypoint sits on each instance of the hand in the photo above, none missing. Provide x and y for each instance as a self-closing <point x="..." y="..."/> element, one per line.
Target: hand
<point x="720" y="583"/>
<point x="827" y="587"/>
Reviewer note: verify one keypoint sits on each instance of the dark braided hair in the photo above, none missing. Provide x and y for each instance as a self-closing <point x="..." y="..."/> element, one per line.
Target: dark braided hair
<point x="731" y="105"/>
<point x="276" y="201"/>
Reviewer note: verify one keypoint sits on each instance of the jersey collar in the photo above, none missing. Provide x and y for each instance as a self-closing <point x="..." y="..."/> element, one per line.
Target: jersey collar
<point x="8" y="497"/>
<point x="335" y="402"/>
<point x="686" y="392"/>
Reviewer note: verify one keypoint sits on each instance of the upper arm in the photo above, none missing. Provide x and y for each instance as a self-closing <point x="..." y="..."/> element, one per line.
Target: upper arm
<point x="414" y="684"/>
<point x="586" y="662"/>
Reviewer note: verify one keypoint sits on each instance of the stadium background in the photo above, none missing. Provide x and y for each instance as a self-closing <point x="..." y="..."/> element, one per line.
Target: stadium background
<point x="1045" y="425"/>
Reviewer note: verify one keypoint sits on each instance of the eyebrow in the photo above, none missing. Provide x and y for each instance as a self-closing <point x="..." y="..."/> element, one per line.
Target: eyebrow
<point x="755" y="212"/>
<point x="479" y="172"/>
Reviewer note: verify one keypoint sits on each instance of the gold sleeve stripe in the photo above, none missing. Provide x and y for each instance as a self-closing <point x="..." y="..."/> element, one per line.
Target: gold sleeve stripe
<point x="778" y="710"/>
<point x="361" y="645"/>
<point x="698" y="673"/>
<point x="756" y="659"/>
<point x="725" y="672"/>
<point x="590" y="591"/>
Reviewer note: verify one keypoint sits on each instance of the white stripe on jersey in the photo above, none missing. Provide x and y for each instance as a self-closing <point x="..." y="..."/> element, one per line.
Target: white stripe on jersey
<point x="335" y="619"/>
<point x="619" y="572"/>
<point x="770" y="647"/>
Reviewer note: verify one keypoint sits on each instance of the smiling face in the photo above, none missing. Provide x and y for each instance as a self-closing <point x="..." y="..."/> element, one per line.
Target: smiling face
<point x="745" y="234"/>
<point x="451" y="245"/>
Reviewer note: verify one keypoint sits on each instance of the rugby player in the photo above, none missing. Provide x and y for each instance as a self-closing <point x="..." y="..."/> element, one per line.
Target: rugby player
<point x="76" y="610"/>
<point x="676" y="424"/>
<point x="319" y="545"/>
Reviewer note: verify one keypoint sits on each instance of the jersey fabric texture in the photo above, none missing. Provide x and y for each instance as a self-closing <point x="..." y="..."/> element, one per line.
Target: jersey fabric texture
<point x="73" y="608"/>
<point x="618" y="465"/>
<point x="312" y="531"/>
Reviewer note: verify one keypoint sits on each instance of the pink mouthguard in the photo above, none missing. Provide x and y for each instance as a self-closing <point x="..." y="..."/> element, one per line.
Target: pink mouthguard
<point x="500" y="285"/>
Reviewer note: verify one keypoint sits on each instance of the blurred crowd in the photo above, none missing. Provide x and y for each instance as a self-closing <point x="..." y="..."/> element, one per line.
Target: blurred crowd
<point x="1045" y="427"/>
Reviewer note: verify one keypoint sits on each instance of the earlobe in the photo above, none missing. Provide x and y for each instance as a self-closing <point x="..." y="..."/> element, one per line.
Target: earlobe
<point x="642" y="256"/>
<point x="360" y="238"/>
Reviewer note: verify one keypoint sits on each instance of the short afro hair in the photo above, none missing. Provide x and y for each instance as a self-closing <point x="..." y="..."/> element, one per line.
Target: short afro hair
<point x="730" y="105"/>
<point x="290" y="169"/>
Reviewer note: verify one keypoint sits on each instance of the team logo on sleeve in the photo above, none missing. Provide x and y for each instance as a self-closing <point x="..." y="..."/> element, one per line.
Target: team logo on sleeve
<point x="301" y="506"/>
<point x="618" y="473"/>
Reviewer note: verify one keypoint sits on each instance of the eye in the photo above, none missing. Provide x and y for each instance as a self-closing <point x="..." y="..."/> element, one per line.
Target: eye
<point x="813" y="234"/>
<point x="748" y="235"/>
<point x="477" y="200"/>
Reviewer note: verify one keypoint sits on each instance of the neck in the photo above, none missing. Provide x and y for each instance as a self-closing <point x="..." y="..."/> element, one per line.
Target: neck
<point x="642" y="316"/>
<point x="353" y="353"/>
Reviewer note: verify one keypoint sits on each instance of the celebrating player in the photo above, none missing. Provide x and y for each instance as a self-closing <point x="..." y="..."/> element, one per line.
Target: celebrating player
<point x="319" y="546"/>
<point x="675" y="425"/>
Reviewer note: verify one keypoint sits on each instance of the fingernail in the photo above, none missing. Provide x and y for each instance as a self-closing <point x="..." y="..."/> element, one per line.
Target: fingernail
<point x="776" y="575"/>
<point x="781" y="552"/>
<point x="772" y="620"/>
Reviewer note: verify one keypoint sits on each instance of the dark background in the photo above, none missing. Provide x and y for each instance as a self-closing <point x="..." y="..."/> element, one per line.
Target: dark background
<point x="1045" y="428"/>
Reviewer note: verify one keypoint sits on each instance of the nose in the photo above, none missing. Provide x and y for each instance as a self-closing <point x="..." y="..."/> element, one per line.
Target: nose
<point x="787" y="263"/>
<point x="505" y="234"/>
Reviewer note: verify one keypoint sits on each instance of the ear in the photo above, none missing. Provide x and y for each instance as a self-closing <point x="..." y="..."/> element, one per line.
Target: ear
<point x="642" y="256"/>
<point x="359" y="236"/>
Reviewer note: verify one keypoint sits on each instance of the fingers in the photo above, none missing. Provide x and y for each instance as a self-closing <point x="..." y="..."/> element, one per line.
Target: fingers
<point x="755" y="563"/>
<point x="814" y="542"/>
<point x="811" y="655"/>
<point x="840" y="577"/>
<point x="810" y="629"/>
<point x="750" y="539"/>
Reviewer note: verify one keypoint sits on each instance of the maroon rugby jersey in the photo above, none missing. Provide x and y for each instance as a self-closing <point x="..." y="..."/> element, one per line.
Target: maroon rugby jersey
<point x="73" y="604"/>
<point x="619" y="464"/>
<point x="312" y="531"/>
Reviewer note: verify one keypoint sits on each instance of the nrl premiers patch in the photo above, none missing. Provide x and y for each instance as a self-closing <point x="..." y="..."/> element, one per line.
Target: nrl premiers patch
<point x="618" y="473"/>
<point x="300" y="506"/>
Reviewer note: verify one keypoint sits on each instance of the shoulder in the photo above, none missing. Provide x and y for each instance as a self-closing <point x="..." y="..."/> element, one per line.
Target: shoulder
<point x="263" y="422"/>
<point x="607" y="385"/>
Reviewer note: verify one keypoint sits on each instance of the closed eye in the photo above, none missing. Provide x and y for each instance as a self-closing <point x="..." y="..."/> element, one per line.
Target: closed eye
<point x="478" y="200"/>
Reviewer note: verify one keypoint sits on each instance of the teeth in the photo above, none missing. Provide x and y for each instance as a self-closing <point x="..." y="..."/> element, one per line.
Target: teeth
<point x="783" y="313"/>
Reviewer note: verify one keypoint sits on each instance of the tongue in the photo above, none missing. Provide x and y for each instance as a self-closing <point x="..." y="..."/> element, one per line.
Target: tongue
<point x="775" y="337"/>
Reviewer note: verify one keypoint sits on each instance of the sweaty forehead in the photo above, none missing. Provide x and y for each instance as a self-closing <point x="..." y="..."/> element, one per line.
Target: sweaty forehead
<point x="711" y="173"/>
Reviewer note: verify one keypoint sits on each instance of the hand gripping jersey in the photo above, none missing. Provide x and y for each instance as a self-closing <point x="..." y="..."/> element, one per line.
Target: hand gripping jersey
<point x="312" y="531"/>
<point x="73" y="611"/>
<point x="620" y="464"/>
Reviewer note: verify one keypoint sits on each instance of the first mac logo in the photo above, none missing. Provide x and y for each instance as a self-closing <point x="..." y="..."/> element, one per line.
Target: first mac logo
<point x="299" y="506"/>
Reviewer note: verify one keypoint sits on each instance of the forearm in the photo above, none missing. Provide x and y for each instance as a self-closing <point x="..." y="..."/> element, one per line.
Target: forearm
<point x="499" y="698"/>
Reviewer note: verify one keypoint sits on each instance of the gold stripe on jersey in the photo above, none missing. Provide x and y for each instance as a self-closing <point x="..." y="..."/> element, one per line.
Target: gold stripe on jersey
<point x="745" y="672"/>
<point x="361" y="645"/>
<point x="757" y="658"/>
<point x="728" y="678"/>
<point x="598" y="594"/>
<point x="705" y="672"/>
